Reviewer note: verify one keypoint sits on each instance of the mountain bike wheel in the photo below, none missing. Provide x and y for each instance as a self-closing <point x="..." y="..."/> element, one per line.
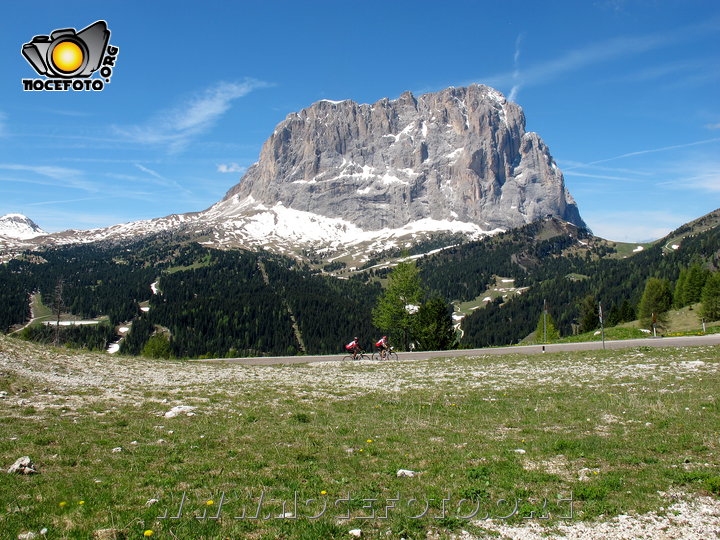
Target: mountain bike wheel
<point x="376" y="357"/>
<point x="347" y="358"/>
<point x="392" y="355"/>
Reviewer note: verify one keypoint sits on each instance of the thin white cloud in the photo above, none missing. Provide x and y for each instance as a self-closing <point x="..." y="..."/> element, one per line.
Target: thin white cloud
<point x="596" y="53"/>
<point x="695" y="173"/>
<point x="602" y="176"/>
<point x="663" y="71"/>
<point x="709" y="182"/>
<point x="231" y="168"/>
<point x="568" y="166"/>
<point x="574" y="60"/>
<point x="161" y="180"/>
<point x="713" y="126"/>
<point x="516" y="72"/>
<point x="654" y="150"/>
<point x="64" y="201"/>
<point x="175" y="128"/>
<point x="150" y="172"/>
<point x="60" y="176"/>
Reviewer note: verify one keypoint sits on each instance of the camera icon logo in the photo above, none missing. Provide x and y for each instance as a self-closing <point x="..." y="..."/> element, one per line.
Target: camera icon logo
<point x="68" y="54"/>
<point x="67" y="59"/>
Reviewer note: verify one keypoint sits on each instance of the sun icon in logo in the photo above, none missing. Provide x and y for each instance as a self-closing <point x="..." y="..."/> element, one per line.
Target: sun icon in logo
<point x="67" y="56"/>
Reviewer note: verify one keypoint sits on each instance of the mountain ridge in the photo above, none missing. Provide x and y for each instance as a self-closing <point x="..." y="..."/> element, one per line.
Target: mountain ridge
<point x="342" y="175"/>
<point x="19" y="226"/>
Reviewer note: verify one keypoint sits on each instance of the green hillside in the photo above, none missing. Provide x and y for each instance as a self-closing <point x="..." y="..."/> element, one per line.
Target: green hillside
<point x="220" y="303"/>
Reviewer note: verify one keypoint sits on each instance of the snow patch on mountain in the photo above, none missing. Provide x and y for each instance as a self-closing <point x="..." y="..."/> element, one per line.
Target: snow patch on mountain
<point x="19" y="226"/>
<point x="257" y="225"/>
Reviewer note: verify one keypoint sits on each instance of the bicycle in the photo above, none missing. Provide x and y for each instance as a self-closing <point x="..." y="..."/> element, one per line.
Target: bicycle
<point x="360" y="355"/>
<point x="388" y="354"/>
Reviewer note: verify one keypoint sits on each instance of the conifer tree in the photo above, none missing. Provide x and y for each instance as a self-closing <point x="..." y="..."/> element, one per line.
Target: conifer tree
<point x="400" y="302"/>
<point x="627" y="311"/>
<point x="696" y="277"/>
<point x="589" y="319"/>
<point x="546" y="328"/>
<point x="433" y="329"/>
<point x="655" y="302"/>
<point x="158" y="346"/>
<point x="614" y="316"/>
<point x="679" y="294"/>
<point x="711" y="298"/>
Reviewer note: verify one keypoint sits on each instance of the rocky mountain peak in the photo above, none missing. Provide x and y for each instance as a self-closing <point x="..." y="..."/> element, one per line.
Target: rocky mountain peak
<point x="19" y="227"/>
<point x="461" y="154"/>
<point x="349" y="179"/>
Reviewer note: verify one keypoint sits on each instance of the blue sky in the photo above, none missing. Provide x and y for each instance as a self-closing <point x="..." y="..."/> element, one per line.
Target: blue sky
<point x="624" y="93"/>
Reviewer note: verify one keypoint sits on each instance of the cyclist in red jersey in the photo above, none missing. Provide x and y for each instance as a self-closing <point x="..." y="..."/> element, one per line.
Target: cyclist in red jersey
<point x="383" y="347"/>
<point x="354" y="347"/>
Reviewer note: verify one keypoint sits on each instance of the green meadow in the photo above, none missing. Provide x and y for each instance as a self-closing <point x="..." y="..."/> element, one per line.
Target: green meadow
<point x="313" y="451"/>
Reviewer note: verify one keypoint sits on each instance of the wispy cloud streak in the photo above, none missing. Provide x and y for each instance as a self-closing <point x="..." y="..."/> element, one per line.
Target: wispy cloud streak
<point x="516" y="71"/>
<point x="175" y="128"/>
<point x="603" y="176"/>
<point x="161" y="180"/>
<point x="64" y="201"/>
<point x="61" y="176"/>
<point x="592" y="54"/>
<point x="654" y="150"/>
<point x="230" y="168"/>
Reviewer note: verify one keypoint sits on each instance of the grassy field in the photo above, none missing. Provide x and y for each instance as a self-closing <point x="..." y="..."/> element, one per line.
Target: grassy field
<point x="611" y="430"/>
<point x="503" y="286"/>
<point x="684" y="321"/>
<point x="39" y="310"/>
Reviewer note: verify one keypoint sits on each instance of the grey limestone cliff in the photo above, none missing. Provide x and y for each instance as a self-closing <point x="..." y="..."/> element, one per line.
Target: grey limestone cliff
<point x="458" y="154"/>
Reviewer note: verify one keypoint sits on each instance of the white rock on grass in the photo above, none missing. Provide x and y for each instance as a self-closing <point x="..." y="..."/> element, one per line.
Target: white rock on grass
<point x="117" y="450"/>
<point x="27" y="536"/>
<point x="150" y="502"/>
<point x="519" y="451"/>
<point x="179" y="409"/>
<point x="355" y="533"/>
<point x="23" y="465"/>
<point x="107" y="534"/>
<point x="405" y="473"/>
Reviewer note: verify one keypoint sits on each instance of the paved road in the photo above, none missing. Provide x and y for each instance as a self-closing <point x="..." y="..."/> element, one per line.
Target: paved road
<point x="684" y="341"/>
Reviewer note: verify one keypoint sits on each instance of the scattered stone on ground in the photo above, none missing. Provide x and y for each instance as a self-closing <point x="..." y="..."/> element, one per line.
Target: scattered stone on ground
<point x="109" y="534"/>
<point x="23" y="465"/>
<point x="179" y="409"/>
